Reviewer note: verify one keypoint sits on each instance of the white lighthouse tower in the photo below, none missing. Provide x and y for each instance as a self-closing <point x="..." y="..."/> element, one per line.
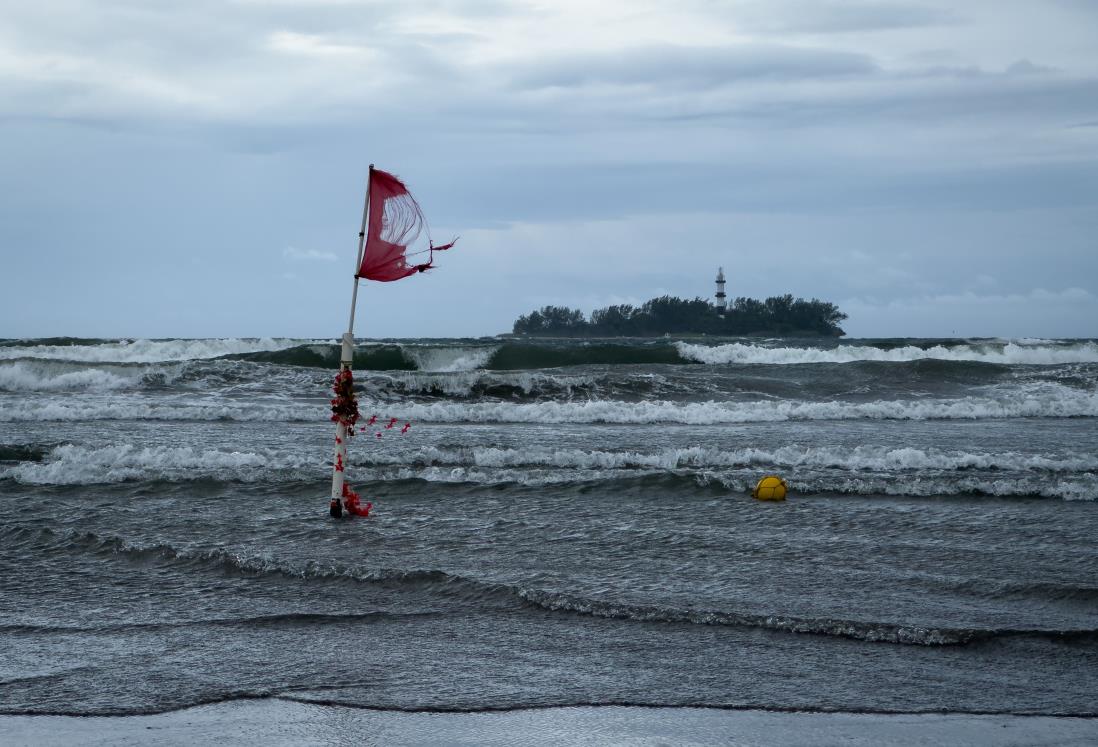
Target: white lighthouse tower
<point x="722" y="305"/>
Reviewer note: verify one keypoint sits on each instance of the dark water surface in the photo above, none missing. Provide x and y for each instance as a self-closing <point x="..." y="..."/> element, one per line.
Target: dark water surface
<point x="565" y="522"/>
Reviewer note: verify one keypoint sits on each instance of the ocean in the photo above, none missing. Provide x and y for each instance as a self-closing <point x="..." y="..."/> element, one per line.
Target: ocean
<point x="563" y="523"/>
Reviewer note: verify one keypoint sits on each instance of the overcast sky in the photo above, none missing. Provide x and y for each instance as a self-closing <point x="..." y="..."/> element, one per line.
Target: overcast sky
<point x="197" y="168"/>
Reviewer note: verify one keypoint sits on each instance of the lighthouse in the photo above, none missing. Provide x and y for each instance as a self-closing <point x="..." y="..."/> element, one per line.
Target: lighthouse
<point x="722" y="305"/>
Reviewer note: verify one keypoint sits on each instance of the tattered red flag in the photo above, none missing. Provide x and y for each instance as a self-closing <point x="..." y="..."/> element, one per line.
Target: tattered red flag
<point x="397" y="232"/>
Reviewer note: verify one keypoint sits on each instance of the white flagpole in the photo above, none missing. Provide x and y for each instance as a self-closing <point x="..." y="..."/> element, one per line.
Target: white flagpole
<point x="347" y="353"/>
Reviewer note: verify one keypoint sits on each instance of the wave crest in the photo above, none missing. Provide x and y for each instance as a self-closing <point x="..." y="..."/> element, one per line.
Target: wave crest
<point x="1042" y="401"/>
<point x="862" y="470"/>
<point x="34" y="376"/>
<point x="1009" y="353"/>
<point x="857" y="458"/>
<point x="81" y="465"/>
<point x="148" y="351"/>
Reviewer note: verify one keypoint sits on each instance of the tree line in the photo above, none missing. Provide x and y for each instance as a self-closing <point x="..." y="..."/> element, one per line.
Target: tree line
<point x="777" y="315"/>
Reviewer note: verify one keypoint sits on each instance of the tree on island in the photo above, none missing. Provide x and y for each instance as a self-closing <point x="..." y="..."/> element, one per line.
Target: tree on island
<point x="777" y="315"/>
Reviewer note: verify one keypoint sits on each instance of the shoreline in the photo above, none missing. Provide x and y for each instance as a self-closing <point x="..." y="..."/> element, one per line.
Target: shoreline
<point x="275" y="721"/>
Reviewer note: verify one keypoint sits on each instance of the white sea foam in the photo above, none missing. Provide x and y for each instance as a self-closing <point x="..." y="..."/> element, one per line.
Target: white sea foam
<point x="80" y="465"/>
<point x="1049" y="401"/>
<point x="1045" y="400"/>
<point x="864" y="470"/>
<point x="448" y="359"/>
<point x="485" y="476"/>
<point x="81" y="409"/>
<point x="1010" y="353"/>
<point x="1074" y="488"/>
<point x="857" y="471"/>
<point x="24" y="376"/>
<point x="873" y="458"/>
<point x="151" y="351"/>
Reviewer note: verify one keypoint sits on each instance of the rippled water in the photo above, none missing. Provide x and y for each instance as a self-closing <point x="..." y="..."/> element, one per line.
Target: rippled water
<point x="564" y="522"/>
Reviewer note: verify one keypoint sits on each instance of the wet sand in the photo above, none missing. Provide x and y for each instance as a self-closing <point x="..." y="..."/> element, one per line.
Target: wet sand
<point x="283" y="722"/>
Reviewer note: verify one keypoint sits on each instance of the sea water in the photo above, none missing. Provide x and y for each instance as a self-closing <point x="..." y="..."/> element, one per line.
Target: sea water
<point x="564" y="522"/>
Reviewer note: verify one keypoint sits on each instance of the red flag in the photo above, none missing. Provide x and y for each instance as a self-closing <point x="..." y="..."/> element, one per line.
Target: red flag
<point x="397" y="232"/>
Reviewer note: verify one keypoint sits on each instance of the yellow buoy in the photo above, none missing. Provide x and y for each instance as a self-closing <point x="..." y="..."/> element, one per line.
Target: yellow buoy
<point x="770" y="488"/>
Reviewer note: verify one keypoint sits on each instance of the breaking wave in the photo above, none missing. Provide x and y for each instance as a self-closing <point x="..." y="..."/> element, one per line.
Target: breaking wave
<point x="146" y="351"/>
<point x="857" y="458"/>
<point x="1051" y="401"/>
<point x="514" y="386"/>
<point x="820" y="470"/>
<point x="715" y="483"/>
<point x="450" y="358"/>
<point x="1042" y="400"/>
<point x="38" y="375"/>
<point x="81" y="465"/>
<point x="1009" y="353"/>
<point x="514" y="355"/>
<point x="159" y="409"/>
<point x="383" y="357"/>
<point x="35" y="376"/>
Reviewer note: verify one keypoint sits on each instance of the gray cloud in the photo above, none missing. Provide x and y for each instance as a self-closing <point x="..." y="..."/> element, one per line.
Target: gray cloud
<point x="892" y="154"/>
<point x="910" y="100"/>
<point x="691" y="67"/>
<point x="840" y="16"/>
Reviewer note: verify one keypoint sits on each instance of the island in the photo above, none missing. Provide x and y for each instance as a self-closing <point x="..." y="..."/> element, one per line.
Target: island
<point x="777" y="316"/>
